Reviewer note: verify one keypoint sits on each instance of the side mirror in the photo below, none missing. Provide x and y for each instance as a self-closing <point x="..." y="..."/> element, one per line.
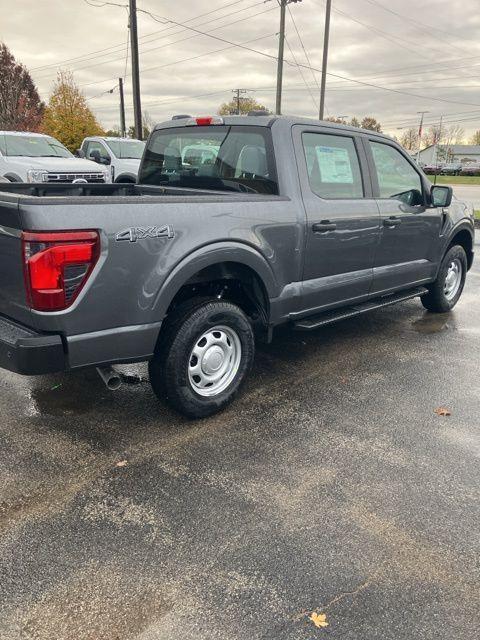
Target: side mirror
<point x="80" y="153"/>
<point x="95" y="156"/>
<point x="441" y="196"/>
<point x="106" y="160"/>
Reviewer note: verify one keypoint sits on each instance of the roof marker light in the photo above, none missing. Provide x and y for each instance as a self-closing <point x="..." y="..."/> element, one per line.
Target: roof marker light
<point x="204" y="121"/>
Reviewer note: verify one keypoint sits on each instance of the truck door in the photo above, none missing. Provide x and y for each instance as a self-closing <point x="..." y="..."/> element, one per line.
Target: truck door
<point x="342" y="218"/>
<point x="407" y="253"/>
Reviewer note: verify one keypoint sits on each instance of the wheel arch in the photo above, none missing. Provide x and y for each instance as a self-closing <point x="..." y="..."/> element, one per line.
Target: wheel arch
<point x="126" y="177"/>
<point x="219" y="262"/>
<point x="13" y="177"/>
<point x="463" y="236"/>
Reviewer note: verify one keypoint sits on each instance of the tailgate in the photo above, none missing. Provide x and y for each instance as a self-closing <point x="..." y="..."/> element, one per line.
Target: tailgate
<point x="13" y="301"/>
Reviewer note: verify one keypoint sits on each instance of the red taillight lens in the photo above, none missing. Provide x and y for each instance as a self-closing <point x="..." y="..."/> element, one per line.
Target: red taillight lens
<point x="57" y="266"/>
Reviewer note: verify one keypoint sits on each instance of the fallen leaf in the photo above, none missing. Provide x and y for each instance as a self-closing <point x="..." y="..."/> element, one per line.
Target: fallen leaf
<point x="122" y="463"/>
<point x="319" y="619"/>
<point x="442" y="411"/>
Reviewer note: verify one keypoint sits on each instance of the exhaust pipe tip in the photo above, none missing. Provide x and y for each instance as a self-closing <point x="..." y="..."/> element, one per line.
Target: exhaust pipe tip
<point x="110" y="377"/>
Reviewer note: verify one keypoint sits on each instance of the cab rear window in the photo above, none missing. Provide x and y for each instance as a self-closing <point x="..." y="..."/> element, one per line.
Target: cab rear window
<point x="223" y="158"/>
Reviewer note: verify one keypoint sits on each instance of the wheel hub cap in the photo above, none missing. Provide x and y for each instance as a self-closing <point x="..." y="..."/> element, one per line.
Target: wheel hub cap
<point x="453" y="279"/>
<point x="214" y="361"/>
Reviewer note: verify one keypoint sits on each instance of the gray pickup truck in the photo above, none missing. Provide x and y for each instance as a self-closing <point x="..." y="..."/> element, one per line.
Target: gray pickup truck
<point x="237" y="225"/>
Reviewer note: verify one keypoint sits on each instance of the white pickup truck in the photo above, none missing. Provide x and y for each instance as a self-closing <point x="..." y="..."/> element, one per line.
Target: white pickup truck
<point x="122" y="155"/>
<point x="35" y="157"/>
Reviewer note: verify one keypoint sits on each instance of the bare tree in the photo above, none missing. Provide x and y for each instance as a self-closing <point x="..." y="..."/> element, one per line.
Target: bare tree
<point x="475" y="139"/>
<point x="409" y="139"/>
<point x="20" y="105"/>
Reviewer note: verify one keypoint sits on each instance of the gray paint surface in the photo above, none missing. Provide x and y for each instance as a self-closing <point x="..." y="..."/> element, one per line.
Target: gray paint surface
<point x="134" y="282"/>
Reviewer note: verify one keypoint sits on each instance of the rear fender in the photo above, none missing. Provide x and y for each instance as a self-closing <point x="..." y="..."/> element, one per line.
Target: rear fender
<point x="206" y="257"/>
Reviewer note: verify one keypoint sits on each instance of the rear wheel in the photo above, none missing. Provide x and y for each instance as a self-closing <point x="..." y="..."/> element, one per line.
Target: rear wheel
<point x="204" y="354"/>
<point x="445" y="292"/>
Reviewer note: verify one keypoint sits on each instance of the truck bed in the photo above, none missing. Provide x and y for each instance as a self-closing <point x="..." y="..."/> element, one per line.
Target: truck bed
<point x="69" y="193"/>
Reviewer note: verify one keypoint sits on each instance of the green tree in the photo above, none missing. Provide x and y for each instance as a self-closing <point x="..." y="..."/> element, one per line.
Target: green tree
<point x="67" y="116"/>
<point x="20" y="106"/>
<point x="371" y="123"/>
<point x="246" y="105"/>
<point x="113" y="133"/>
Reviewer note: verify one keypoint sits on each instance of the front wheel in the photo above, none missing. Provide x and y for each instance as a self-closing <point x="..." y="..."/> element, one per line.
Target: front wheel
<point x="204" y="353"/>
<point x="445" y="292"/>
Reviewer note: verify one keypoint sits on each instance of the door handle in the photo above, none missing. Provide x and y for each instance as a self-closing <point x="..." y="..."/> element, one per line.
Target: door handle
<point x="323" y="226"/>
<point x="392" y="221"/>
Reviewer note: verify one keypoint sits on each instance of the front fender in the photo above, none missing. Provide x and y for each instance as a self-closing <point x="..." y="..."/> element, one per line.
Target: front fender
<point x="210" y="255"/>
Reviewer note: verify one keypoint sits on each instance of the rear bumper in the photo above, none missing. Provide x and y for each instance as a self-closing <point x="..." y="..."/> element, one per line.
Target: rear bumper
<point x="29" y="353"/>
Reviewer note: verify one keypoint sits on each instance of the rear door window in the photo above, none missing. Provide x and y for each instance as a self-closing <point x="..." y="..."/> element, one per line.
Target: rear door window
<point x="224" y="158"/>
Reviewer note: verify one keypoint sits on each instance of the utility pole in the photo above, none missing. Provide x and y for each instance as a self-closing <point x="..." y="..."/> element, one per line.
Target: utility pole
<point x="237" y="98"/>
<point x="326" y="36"/>
<point x="137" y="106"/>
<point x="281" y="46"/>
<point x="420" y="130"/>
<point x="437" y="140"/>
<point x="122" y="108"/>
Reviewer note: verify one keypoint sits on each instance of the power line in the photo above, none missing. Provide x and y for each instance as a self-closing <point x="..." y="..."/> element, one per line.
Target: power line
<point x="92" y="55"/>
<point x="315" y="103"/>
<point x="144" y="51"/>
<point x="417" y="24"/>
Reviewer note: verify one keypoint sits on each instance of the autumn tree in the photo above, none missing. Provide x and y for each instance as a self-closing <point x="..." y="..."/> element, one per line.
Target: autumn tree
<point x="355" y="122"/>
<point x="246" y="105"/>
<point x="475" y="139"/>
<point x="67" y="116"/>
<point x="409" y="139"/>
<point x="20" y="106"/>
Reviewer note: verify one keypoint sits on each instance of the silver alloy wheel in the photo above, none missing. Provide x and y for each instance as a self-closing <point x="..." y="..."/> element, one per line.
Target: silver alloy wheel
<point x="453" y="279"/>
<point x="214" y="361"/>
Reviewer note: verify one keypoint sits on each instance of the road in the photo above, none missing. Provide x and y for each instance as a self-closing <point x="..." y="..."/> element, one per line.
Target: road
<point x="468" y="192"/>
<point x="330" y="486"/>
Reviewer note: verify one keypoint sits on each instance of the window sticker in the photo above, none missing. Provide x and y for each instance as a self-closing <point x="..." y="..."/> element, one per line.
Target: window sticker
<point x="334" y="164"/>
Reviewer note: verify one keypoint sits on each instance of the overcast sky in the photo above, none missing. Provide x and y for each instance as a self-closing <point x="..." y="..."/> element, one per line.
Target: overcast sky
<point x="430" y="49"/>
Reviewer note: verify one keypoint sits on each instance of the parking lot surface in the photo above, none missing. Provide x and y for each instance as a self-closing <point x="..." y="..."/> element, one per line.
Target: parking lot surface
<point x="330" y="486"/>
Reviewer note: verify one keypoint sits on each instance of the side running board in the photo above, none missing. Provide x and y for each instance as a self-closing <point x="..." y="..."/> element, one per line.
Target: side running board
<point x="328" y="317"/>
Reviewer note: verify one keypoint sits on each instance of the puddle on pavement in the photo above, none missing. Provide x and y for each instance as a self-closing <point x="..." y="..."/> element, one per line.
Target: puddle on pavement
<point x="66" y="395"/>
<point x="433" y="323"/>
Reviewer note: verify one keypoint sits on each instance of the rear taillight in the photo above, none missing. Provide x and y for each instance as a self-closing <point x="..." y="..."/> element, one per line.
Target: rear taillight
<point x="57" y="266"/>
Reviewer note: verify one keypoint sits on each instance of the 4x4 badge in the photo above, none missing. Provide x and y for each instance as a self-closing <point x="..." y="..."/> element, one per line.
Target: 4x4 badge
<point x="140" y="233"/>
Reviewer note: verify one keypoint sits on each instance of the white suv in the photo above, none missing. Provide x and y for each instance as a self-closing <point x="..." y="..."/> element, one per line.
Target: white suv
<point x="35" y="157"/>
<point x="122" y="155"/>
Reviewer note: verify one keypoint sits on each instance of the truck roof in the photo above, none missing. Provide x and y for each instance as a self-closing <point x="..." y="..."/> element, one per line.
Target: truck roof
<point x="25" y="133"/>
<point x="269" y="120"/>
<point x="112" y="138"/>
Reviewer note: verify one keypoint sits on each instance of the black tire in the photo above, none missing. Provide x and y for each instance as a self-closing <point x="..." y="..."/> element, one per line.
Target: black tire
<point x="170" y="376"/>
<point x="436" y="299"/>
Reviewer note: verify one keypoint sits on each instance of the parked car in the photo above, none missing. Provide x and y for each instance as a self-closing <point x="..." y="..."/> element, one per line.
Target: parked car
<point x="35" y="157"/>
<point x="471" y="169"/>
<point x="451" y="169"/>
<point x="122" y="155"/>
<point x="432" y="169"/>
<point x="296" y="222"/>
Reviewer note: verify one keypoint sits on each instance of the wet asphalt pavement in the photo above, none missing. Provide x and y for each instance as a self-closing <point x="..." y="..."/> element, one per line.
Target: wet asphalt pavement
<point x="329" y="486"/>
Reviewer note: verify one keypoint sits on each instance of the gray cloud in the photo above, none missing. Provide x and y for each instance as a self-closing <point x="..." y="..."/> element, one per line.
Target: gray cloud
<point x="434" y="61"/>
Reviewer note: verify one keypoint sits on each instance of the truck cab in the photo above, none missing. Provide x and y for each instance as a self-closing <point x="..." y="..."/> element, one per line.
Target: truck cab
<point x="35" y="157"/>
<point x="122" y="155"/>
